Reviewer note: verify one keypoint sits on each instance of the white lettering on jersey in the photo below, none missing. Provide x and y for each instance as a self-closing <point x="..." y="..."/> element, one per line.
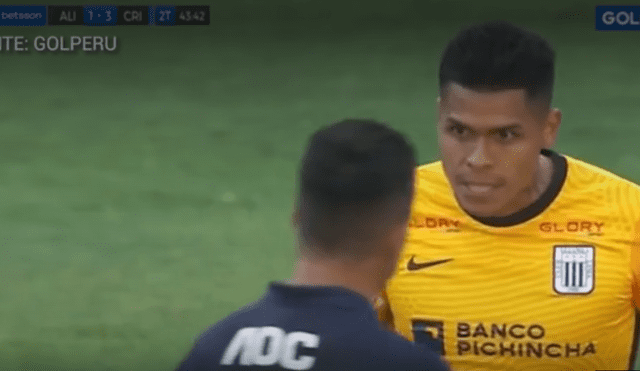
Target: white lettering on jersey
<point x="240" y="345"/>
<point x="293" y="340"/>
<point x="271" y="338"/>
<point x="267" y="346"/>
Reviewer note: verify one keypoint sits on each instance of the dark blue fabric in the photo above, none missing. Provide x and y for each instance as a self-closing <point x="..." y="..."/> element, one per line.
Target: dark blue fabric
<point x="345" y="324"/>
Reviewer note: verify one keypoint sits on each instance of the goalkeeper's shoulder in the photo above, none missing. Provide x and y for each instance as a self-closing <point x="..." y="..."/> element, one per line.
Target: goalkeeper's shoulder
<point x="431" y="175"/>
<point x="432" y="187"/>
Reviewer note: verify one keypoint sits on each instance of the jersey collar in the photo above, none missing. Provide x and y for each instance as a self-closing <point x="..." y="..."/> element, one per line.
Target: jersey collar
<point x="327" y="296"/>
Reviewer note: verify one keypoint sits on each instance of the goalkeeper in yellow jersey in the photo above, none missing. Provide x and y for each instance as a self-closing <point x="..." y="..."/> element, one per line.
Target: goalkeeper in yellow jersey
<point x="517" y="257"/>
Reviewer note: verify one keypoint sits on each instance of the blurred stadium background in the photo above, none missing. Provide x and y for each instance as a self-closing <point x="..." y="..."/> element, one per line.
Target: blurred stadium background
<point x="146" y="194"/>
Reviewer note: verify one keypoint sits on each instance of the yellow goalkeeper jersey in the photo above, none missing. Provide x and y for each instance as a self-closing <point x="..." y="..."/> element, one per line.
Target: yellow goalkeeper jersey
<point x="554" y="287"/>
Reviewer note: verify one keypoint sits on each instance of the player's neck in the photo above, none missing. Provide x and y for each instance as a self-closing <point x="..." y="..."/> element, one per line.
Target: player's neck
<point x="355" y="276"/>
<point x="531" y="194"/>
<point x="541" y="182"/>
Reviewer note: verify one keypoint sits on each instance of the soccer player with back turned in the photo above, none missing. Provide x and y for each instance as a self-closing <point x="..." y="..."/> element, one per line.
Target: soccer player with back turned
<point x="355" y="188"/>
<point x="517" y="257"/>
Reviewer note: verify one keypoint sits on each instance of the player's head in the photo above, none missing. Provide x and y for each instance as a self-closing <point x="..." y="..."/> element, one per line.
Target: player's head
<point x="495" y="115"/>
<point x="355" y="187"/>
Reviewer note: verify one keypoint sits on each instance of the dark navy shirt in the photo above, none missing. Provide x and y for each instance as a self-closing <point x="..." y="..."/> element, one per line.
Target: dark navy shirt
<point x="306" y="328"/>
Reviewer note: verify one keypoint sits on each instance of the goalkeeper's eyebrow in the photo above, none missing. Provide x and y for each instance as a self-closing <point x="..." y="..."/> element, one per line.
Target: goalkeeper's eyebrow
<point x="508" y="127"/>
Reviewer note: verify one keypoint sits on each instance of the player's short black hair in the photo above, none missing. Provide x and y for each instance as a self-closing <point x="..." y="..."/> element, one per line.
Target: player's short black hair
<point x="355" y="180"/>
<point x="498" y="55"/>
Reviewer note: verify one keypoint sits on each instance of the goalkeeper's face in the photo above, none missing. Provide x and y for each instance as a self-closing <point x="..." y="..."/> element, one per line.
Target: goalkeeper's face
<point x="490" y="145"/>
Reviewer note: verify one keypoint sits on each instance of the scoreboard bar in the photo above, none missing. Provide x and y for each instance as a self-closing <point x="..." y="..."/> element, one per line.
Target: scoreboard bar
<point x="23" y="15"/>
<point x="104" y="15"/>
<point x="192" y="15"/>
<point x="133" y="15"/>
<point x="99" y="15"/>
<point x="185" y="15"/>
<point x="60" y="15"/>
<point x="165" y="15"/>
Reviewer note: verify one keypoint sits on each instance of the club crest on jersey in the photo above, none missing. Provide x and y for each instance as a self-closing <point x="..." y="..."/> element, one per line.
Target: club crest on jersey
<point x="573" y="269"/>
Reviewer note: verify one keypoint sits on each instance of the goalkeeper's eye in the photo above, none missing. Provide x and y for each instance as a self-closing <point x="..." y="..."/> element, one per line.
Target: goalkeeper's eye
<point x="506" y="135"/>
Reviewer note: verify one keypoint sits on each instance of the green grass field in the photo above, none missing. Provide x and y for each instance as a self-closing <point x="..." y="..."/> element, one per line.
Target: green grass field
<point x="145" y="195"/>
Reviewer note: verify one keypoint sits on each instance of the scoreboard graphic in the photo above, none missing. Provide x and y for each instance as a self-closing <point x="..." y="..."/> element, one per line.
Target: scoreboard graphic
<point x="104" y="15"/>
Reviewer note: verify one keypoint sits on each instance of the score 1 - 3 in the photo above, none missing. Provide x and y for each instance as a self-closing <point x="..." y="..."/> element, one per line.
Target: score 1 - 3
<point x="108" y="13"/>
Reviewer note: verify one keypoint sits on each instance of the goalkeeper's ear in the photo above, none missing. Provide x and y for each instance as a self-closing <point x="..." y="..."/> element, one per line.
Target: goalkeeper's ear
<point x="438" y="110"/>
<point x="295" y="214"/>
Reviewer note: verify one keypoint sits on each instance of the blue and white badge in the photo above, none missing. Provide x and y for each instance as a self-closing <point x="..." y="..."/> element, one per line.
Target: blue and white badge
<point x="573" y="269"/>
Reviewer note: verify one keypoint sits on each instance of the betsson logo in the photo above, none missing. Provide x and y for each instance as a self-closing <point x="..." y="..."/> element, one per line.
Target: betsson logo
<point x="617" y="18"/>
